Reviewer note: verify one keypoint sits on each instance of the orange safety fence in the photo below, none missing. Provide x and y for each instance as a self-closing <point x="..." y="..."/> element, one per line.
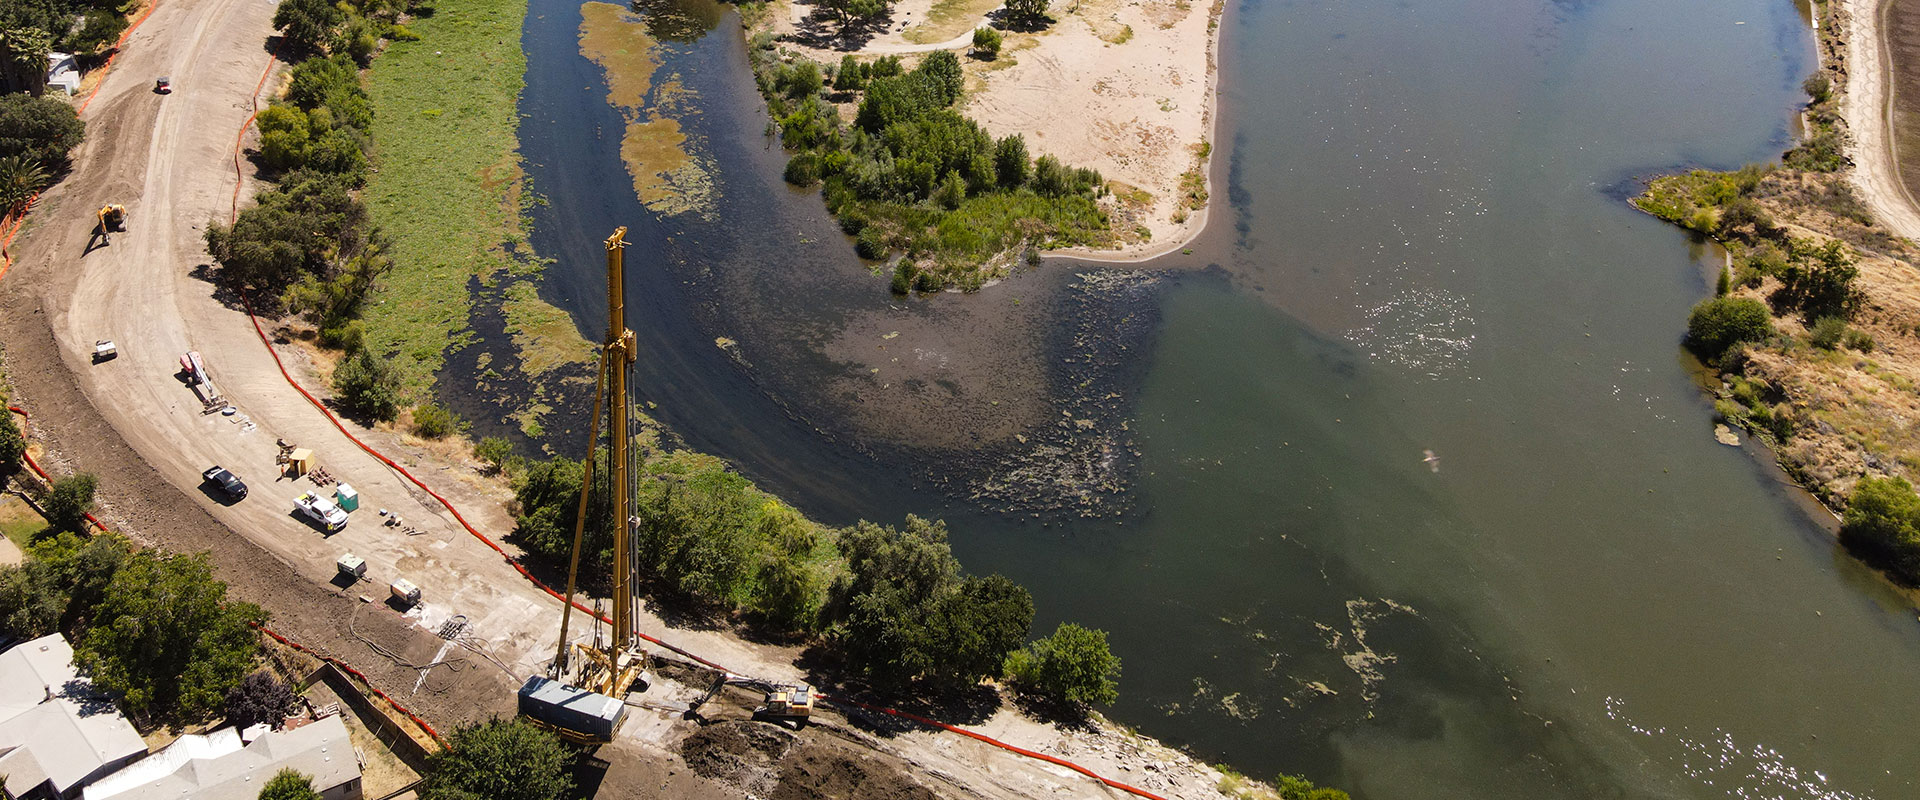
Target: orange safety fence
<point x="357" y="675"/>
<point x="10" y="225"/>
<point x="24" y="456"/>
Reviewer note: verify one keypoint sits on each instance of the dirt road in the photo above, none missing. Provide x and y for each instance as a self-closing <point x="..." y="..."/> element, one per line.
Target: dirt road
<point x="1868" y="111"/>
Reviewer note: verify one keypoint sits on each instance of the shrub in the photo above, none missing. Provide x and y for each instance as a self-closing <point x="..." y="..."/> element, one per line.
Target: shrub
<point x="1071" y="666"/>
<point x="1818" y="87"/>
<point x="1295" y="787"/>
<point x="1718" y="324"/>
<point x="850" y="76"/>
<point x="402" y="33"/>
<point x="1826" y="332"/>
<point x="1882" y="524"/>
<point x="258" y="698"/>
<point x="431" y="421"/>
<point x="803" y="169"/>
<point x="1818" y="280"/>
<point x="986" y="41"/>
<point x="68" y="504"/>
<point x="368" y="386"/>
<point x="1857" y="339"/>
<point x="494" y="450"/>
<point x="499" y="760"/>
<point x="904" y="274"/>
<point x="871" y="244"/>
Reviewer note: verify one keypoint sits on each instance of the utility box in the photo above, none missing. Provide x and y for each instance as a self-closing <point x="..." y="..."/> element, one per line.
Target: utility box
<point x="351" y="564"/>
<point x="405" y="592"/>
<point x="300" y="461"/>
<point x="348" y="499"/>
<point x="577" y="714"/>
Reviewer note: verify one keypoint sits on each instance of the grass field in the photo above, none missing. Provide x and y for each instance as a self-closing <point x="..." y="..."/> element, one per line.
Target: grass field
<point x="447" y="190"/>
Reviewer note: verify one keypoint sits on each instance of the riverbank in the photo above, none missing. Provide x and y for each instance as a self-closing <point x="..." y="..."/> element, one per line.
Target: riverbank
<point x="1127" y="90"/>
<point x="1822" y="241"/>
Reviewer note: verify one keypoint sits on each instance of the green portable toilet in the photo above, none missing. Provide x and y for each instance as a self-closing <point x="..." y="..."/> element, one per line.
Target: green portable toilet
<point x="348" y="499"/>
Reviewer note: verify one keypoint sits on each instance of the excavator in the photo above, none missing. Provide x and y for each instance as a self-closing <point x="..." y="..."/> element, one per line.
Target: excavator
<point x="113" y="217"/>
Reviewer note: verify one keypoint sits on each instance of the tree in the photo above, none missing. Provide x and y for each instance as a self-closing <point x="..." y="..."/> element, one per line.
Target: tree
<point x="166" y="639"/>
<point x="41" y="129"/>
<point x="1818" y="280"/>
<point x="307" y="25"/>
<point x="1718" y="324"/>
<point x="101" y="28"/>
<point x="987" y="42"/>
<point x="368" y="386"/>
<point x="68" y="504"/>
<point x="1010" y="163"/>
<point x="850" y="76"/>
<point x="851" y="12"/>
<point x="1071" y="666"/>
<point x="977" y="625"/>
<point x="1028" y="12"/>
<point x="942" y="67"/>
<point x="23" y="55"/>
<point x="30" y="600"/>
<point x="13" y="446"/>
<point x="83" y="567"/>
<point x="1882" y="523"/>
<point x="499" y="760"/>
<point x="288" y="784"/>
<point x="258" y="698"/>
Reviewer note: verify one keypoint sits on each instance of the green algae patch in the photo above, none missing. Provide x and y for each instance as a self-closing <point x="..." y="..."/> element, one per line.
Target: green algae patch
<point x="668" y="176"/>
<point x="544" y="335"/>
<point x="447" y="185"/>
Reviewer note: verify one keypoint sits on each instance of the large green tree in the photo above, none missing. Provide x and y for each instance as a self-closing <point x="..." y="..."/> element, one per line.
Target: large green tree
<point x="69" y="502"/>
<point x="41" y="129"/>
<point x="167" y="640"/>
<point x="1072" y="666"/>
<point x="1719" y="324"/>
<point x="307" y="25"/>
<point x="499" y="760"/>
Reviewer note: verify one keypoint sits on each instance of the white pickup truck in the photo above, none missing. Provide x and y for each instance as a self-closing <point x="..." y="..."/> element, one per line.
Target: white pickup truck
<point x="321" y="510"/>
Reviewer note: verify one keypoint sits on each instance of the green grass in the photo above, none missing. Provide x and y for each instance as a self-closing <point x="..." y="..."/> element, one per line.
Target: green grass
<point x="19" y="523"/>
<point x="444" y="134"/>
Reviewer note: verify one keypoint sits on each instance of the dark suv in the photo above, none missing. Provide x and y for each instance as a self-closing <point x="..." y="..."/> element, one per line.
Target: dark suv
<point x="227" y="481"/>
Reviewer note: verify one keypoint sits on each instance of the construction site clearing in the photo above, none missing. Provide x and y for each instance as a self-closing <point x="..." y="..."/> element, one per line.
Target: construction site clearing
<point x="460" y="626"/>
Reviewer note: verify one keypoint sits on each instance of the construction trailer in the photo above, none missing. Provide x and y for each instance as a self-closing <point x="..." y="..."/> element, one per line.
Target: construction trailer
<point x="574" y="713"/>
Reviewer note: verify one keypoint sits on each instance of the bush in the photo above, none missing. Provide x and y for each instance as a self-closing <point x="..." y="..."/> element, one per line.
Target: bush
<point x="166" y="639"/>
<point x="1826" y="332"/>
<point x="258" y="698"/>
<point x="904" y="274"/>
<point x="803" y="169"/>
<point x="494" y="450"/>
<point x="1882" y="524"/>
<point x="1718" y="324"/>
<point x="987" y="42"/>
<point x="850" y="76"/>
<point x="68" y="504"/>
<point x="1071" y="666"/>
<point x="368" y="387"/>
<point x="41" y="129"/>
<point x="288" y="784"/>
<point x="1818" y="280"/>
<point x="499" y="760"/>
<point x="1857" y="339"/>
<point x="1818" y="88"/>
<point x="434" y="422"/>
<point x="871" y="244"/>
<point x="1295" y="787"/>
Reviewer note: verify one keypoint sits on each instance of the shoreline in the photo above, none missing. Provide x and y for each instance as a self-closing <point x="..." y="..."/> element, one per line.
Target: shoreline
<point x="1867" y="105"/>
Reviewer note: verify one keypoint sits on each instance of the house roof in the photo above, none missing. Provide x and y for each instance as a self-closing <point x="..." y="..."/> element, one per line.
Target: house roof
<point x="214" y="770"/>
<point x="68" y="730"/>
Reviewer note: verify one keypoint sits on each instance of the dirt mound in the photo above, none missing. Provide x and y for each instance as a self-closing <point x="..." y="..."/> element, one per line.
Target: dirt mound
<point x="823" y="768"/>
<point x="741" y="753"/>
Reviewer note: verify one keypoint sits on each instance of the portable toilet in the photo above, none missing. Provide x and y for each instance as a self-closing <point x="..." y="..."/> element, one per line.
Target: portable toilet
<point x="348" y="499"/>
<point x="351" y="564"/>
<point x="300" y="461"/>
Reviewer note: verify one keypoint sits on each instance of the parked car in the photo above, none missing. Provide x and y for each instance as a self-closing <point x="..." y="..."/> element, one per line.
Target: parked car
<point x="227" y="481"/>
<point x="322" y="511"/>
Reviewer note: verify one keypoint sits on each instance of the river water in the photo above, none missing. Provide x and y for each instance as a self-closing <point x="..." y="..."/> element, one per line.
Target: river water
<point x="1425" y="501"/>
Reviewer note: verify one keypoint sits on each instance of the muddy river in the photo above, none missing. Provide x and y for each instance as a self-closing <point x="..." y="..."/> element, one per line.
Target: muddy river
<point x="1400" y="480"/>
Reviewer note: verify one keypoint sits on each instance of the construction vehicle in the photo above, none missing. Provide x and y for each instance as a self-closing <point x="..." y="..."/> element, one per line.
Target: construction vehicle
<point x="788" y="701"/>
<point x="195" y="368"/>
<point x="105" y="350"/>
<point x="113" y="217"/>
<point x="590" y="675"/>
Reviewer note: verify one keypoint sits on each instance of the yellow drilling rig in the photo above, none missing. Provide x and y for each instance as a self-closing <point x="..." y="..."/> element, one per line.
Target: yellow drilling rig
<point x="582" y="696"/>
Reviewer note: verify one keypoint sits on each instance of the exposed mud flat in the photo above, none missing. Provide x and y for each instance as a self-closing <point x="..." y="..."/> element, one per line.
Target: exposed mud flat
<point x="669" y="174"/>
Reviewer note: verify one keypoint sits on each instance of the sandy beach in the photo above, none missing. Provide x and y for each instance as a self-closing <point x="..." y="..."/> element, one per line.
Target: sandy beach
<point x="1865" y="105"/>
<point x="1125" y="88"/>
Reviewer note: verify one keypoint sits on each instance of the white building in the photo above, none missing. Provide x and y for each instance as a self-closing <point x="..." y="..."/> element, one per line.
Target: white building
<point x="224" y="765"/>
<point x="56" y="733"/>
<point x="63" y="72"/>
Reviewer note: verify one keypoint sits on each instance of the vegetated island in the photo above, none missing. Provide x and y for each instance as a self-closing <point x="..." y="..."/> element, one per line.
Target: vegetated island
<point x="1814" y="329"/>
<point x="955" y="139"/>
